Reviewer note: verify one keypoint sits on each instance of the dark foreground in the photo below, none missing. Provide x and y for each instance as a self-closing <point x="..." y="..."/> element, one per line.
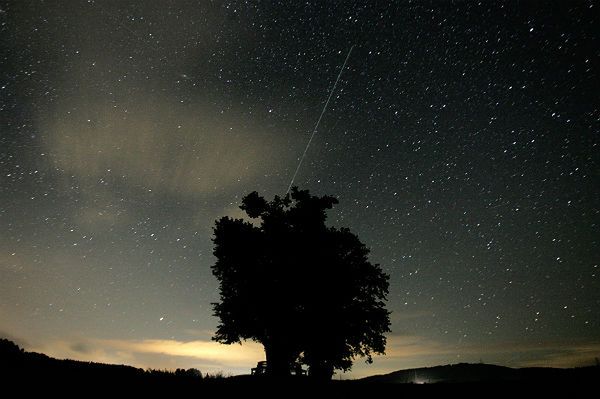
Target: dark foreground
<point x="34" y="373"/>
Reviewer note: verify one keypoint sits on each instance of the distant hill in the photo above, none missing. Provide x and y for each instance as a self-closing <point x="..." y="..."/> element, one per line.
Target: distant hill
<point x="486" y="373"/>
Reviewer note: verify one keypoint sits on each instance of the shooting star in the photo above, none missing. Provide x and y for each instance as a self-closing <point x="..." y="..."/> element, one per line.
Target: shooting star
<point x="319" y="120"/>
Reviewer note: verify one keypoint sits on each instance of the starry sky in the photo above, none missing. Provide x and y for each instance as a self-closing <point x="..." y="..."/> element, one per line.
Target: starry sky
<point x="462" y="141"/>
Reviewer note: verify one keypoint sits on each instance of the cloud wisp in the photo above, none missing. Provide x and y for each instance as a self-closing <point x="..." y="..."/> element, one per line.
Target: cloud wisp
<point x="206" y="355"/>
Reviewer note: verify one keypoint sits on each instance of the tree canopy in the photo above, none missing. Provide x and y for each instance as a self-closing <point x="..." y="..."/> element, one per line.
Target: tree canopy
<point x="305" y="291"/>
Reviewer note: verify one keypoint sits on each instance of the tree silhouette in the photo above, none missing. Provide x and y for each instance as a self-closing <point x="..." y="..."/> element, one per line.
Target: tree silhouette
<point x="303" y="290"/>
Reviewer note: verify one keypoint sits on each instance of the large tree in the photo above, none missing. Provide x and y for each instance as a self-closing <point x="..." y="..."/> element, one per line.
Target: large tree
<point x="305" y="291"/>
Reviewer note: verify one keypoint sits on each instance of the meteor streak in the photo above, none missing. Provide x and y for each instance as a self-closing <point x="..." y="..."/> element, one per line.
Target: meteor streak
<point x="319" y="120"/>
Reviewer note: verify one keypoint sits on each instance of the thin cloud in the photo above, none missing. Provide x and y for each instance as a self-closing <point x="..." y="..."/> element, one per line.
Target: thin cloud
<point x="231" y="355"/>
<point x="158" y="353"/>
<point x="160" y="150"/>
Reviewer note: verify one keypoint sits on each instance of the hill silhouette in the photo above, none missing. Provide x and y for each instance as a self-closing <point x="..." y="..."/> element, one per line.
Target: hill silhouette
<point x="32" y="373"/>
<point x="486" y="373"/>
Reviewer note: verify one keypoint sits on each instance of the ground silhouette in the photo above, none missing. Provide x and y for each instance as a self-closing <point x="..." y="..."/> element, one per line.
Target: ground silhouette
<point x="24" y="374"/>
<point x="304" y="290"/>
<point x="466" y="373"/>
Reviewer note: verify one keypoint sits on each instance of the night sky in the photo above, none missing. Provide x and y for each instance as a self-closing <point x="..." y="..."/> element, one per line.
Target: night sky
<point x="462" y="141"/>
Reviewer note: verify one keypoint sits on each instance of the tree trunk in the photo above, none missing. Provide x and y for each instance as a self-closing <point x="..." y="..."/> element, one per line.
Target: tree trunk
<point x="320" y="371"/>
<point x="277" y="361"/>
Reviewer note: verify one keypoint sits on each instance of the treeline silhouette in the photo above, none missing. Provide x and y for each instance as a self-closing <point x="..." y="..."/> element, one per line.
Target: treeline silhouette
<point x="27" y="368"/>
